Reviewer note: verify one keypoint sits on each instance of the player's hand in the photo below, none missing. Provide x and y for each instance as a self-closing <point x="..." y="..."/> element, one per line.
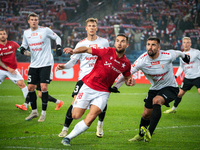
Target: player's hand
<point x="58" y="50"/>
<point x="113" y="89"/>
<point x="60" y="67"/>
<point x="68" y="51"/>
<point x="130" y="82"/>
<point x="186" y="59"/>
<point x="12" y="71"/>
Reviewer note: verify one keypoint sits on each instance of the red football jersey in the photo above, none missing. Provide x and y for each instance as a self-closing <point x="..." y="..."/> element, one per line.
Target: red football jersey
<point x="107" y="68"/>
<point x="7" y="54"/>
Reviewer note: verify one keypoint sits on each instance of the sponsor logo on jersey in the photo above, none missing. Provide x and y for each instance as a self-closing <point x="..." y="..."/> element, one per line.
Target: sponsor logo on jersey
<point x="93" y="45"/>
<point x="36" y="44"/>
<point x="155" y="63"/>
<point x="64" y="74"/>
<point x="116" y="61"/>
<point x="34" y="34"/>
<point x="91" y="58"/>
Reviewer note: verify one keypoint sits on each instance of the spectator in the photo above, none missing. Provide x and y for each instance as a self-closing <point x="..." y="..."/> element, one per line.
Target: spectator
<point x="179" y="27"/>
<point x="197" y="45"/>
<point x="171" y="28"/>
<point x="137" y="39"/>
<point x="61" y="15"/>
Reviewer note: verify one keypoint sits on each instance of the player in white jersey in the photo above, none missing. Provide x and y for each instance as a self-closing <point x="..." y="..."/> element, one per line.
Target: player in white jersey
<point x="157" y="66"/>
<point x="38" y="39"/>
<point x="87" y="62"/>
<point x="192" y="73"/>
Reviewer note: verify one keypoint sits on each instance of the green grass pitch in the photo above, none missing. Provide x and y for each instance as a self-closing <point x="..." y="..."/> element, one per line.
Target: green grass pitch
<point x="180" y="131"/>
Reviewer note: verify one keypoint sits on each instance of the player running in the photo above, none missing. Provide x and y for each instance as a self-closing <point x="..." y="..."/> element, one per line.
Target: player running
<point x="94" y="92"/>
<point x="157" y="66"/>
<point x="87" y="62"/>
<point x="192" y="73"/>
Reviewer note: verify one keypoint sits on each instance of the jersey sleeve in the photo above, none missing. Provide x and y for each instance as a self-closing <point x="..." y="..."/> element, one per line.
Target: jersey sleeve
<point x="16" y="45"/>
<point x="53" y="36"/>
<point x="127" y="72"/>
<point x="24" y="41"/>
<point x="100" y="51"/>
<point x="76" y="56"/>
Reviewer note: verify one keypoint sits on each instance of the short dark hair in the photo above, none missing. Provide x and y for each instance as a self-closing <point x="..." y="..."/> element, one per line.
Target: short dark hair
<point x="121" y="34"/>
<point x="154" y="39"/>
<point x="32" y="15"/>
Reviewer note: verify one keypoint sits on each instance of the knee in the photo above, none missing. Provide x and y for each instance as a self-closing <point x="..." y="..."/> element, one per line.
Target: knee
<point x="146" y="115"/>
<point x="21" y="84"/>
<point x="76" y="116"/>
<point x="31" y="87"/>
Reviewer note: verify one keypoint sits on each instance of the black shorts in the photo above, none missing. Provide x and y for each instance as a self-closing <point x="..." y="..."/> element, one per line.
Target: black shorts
<point x="187" y="84"/>
<point x="41" y="75"/>
<point x="168" y="93"/>
<point x="77" y="88"/>
<point x="38" y="88"/>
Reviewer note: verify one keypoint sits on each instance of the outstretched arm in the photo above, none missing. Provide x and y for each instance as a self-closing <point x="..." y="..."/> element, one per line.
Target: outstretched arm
<point x="82" y="49"/>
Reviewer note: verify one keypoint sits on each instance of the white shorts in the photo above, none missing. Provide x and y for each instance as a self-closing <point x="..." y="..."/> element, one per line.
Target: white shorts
<point x="13" y="78"/>
<point x="88" y="96"/>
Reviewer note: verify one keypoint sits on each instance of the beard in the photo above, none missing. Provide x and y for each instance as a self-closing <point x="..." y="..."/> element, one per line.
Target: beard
<point x="119" y="51"/>
<point x="151" y="54"/>
<point x="3" y="40"/>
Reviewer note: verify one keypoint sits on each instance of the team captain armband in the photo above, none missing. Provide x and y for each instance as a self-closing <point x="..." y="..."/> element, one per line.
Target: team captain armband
<point x="21" y="50"/>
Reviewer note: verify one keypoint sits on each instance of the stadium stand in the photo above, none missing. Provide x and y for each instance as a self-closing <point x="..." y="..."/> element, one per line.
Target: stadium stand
<point x="151" y="18"/>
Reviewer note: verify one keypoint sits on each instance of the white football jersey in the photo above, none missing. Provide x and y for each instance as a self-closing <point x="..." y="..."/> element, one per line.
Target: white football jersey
<point x="192" y="70"/>
<point x="158" y="71"/>
<point x="39" y="42"/>
<point x="87" y="61"/>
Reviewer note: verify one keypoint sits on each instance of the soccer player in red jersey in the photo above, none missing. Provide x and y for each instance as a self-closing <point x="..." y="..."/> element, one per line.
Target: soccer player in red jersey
<point x="95" y="91"/>
<point x="8" y="63"/>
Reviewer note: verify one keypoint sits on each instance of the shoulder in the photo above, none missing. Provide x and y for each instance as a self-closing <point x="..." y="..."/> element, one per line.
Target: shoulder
<point x="82" y="41"/>
<point x="143" y="56"/>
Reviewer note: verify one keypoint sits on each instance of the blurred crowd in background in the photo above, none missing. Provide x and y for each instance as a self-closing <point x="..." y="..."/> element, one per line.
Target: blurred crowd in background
<point x="170" y="20"/>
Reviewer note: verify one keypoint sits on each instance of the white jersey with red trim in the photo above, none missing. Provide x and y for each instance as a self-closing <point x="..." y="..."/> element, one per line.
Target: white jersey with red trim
<point x="87" y="61"/>
<point x="39" y="42"/>
<point x="158" y="71"/>
<point x="192" y="70"/>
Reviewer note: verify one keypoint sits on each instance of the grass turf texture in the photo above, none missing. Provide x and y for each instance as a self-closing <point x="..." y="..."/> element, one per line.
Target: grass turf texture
<point x="179" y="131"/>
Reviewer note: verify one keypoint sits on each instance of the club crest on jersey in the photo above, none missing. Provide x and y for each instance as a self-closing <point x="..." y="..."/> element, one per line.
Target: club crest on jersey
<point x="155" y="63"/>
<point x="9" y="47"/>
<point x="162" y="65"/>
<point x="111" y="58"/>
<point x="107" y="64"/>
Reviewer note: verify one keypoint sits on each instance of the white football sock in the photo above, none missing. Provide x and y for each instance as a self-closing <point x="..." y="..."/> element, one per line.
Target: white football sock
<point x="43" y="112"/>
<point x="58" y="101"/>
<point x="174" y="108"/>
<point x="25" y="91"/>
<point x="65" y="128"/>
<point x="79" y="128"/>
<point x="100" y="123"/>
